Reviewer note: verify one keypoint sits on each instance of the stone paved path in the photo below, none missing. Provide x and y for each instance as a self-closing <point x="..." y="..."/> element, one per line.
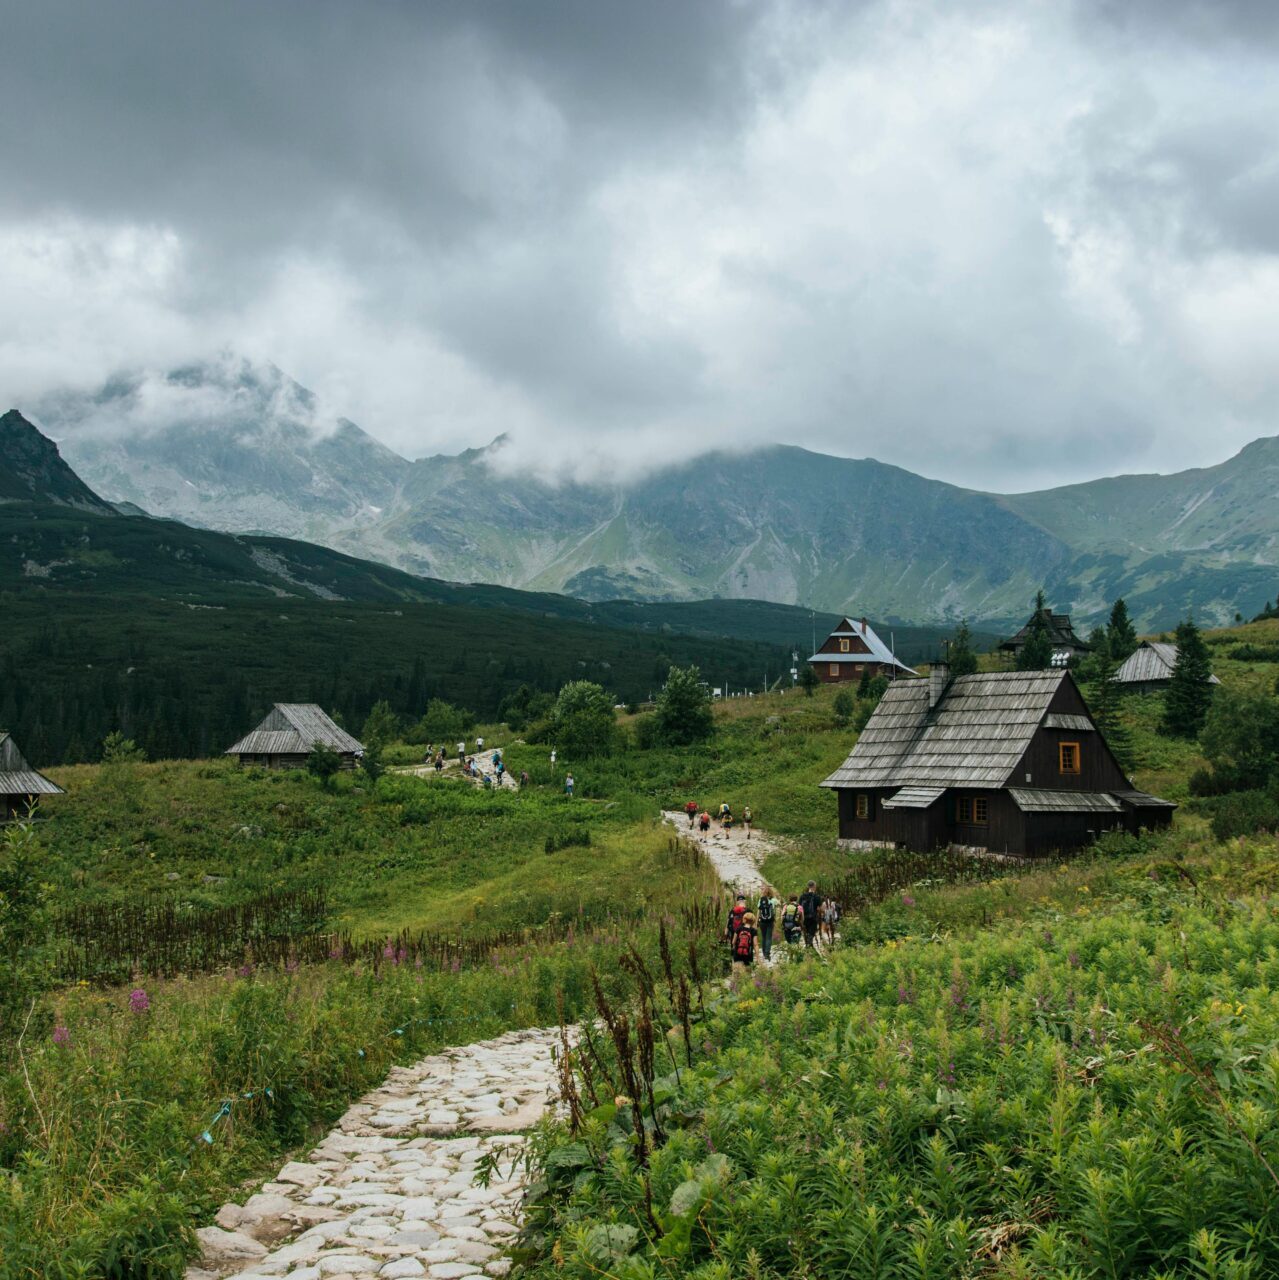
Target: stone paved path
<point x="391" y="1191"/>
<point x="735" y="858"/>
<point x="453" y="769"/>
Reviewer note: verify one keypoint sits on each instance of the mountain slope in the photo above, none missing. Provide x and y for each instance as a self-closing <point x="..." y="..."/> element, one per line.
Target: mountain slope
<point x="32" y="470"/>
<point x="233" y="446"/>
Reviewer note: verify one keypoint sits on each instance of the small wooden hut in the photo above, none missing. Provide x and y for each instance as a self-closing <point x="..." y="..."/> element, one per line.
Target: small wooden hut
<point x="288" y="735"/>
<point x="853" y="650"/>
<point x="1008" y="762"/>
<point x="20" y="785"/>
<point x="1061" y="637"/>
<point x="1150" y="667"/>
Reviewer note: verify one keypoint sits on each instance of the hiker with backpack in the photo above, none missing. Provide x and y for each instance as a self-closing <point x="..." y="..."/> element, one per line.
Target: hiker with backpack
<point x="746" y="822"/>
<point x="704" y="822"/>
<point x="810" y="902"/>
<point x="735" y="917"/>
<point x="830" y="918"/>
<point x="743" y="948"/>
<point x="691" y="809"/>
<point x="792" y="921"/>
<point x="766" y="915"/>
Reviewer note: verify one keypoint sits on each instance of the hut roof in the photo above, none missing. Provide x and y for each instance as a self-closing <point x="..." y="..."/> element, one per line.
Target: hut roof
<point x="17" y="777"/>
<point x="974" y="736"/>
<point x="1061" y="632"/>
<point x="1153" y="661"/>
<point x="292" y="729"/>
<point x="879" y="651"/>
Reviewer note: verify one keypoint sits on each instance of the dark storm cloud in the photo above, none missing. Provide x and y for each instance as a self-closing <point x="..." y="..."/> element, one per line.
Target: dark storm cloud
<point x="1005" y="243"/>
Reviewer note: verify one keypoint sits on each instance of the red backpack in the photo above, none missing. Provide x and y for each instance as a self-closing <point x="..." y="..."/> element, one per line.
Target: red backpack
<point x="744" y="944"/>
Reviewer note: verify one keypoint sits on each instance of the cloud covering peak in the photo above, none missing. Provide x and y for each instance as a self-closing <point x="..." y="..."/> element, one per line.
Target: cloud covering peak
<point x="1003" y="244"/>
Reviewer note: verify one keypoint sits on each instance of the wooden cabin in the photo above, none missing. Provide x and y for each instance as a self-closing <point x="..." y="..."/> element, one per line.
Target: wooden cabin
<point x="853" y="650"/>
<point x="1061" y="637"/>
<point x="1150" y="667"/>
<point x="21" y="787"/>
<point x="1005" y="762"/>
<point x="290" y="733"/>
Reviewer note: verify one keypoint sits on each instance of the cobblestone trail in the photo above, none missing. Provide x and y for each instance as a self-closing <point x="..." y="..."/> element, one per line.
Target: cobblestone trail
<point x="391" y="1191"/>
<point x="735" y="858"/>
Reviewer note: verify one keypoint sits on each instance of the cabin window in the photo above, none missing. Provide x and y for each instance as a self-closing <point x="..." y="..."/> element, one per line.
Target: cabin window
<point x="834" y="668"/>
<point x="863" y="805"/>
<point x="972" y="811"/>
<point x="1068" y="757"/>
<point x="843" y="646"/>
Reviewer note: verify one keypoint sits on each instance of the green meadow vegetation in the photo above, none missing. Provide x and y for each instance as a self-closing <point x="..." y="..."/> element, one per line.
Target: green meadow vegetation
<point x="990" y="1077"/>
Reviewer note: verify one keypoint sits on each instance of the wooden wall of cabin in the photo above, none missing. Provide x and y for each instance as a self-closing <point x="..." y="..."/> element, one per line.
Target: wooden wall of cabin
<point x="1098" y="769"/>
<point x="1064" y="832"/>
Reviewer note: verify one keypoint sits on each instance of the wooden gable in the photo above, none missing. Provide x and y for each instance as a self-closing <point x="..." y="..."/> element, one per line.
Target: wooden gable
<point x="1069" y="729"/>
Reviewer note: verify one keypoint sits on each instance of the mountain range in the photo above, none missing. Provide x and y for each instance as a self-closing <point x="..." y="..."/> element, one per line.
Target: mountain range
<point x="239" y="449"/>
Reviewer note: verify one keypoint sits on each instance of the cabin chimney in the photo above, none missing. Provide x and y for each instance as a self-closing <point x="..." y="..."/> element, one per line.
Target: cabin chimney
<point x="863" y="626"/>
<point x="938" y="679"/>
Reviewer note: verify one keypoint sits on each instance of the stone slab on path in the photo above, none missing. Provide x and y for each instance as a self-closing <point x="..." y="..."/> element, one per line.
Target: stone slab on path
<point x="391" y="1191"/>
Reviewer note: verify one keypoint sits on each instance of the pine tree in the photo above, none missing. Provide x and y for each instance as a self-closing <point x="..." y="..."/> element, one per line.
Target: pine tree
<point x="1036" y="651"/>
<point x="959" y="654"/>
<point x="1189" y="693"/>
<point x="1109" y="721"/>
<point x="1121" y="635"/>
<point x="808" y="680"/>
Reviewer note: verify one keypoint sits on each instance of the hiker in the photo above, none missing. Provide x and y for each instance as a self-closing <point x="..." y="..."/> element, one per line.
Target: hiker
<point x="479" y="744"/>
<point x="743" y="948"/>
<point x="486" y="780"/>
<point x="501" y="769"/>
<point x="810" y="902"/>
<point x="792" y="920"/>
<point x="735" y="917"/>
<point x="746" y="822"/>
<point x="766" y="914"/>
<point x="691" y="809"/>
<point x="552" y="757"/>
<point x="568" y="786"/>
<point x="523" y="779"/>
<point x="724" y="811"/>
<point x="439" y="762"/>
<point x="497" y="758"/>
<point x="461" y="750"/>
<point x="728" y="824"/>
<point x="830" y="918"/>
<point x="704" y="822"/>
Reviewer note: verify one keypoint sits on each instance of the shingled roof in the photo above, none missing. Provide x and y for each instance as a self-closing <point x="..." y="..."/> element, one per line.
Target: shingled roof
<point x="17" y="777"/>
<point x="1152" y="662"/>
<point x="973" y="737"/>
<point x="1061" y="632"/>
<point x="293" y="729"/>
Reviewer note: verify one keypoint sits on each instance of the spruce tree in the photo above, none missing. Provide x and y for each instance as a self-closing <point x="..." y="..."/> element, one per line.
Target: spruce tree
<point x="1036" y="651"/>
<point x="1121" y="635"/>
<point x="960" y="655"/>
<point x="1106" y="713"/>
<point x="1189" y="693"/>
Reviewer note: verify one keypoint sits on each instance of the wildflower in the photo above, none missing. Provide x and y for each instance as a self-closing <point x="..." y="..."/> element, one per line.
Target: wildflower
<point x="139" y="1001"/>
<point x="907" y="900"/>
<point x="61" y="1035"/>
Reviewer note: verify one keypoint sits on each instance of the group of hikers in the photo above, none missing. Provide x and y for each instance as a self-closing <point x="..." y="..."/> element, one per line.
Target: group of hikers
<point x="701" y="819"/>
<point x="807" y="917"/>
<point x="494" y="777"/>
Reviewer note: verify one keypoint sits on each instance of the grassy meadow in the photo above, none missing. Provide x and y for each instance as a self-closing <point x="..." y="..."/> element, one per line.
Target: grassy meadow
<point x="964" y="1088"/>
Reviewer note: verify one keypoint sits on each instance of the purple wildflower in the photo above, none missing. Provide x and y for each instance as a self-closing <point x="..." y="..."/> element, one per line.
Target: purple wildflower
<point x="907" y="900"/>
<point x="61" y="1035"/>
<point x="139" y="1001"/>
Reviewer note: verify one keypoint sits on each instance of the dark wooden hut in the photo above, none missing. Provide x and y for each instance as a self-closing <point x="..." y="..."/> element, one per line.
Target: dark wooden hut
<point x="853" y="650"/>
<point x="20" y="785"/>
<point x="290" y="732"/>
<point x="1150" y="667"/>
<point x="1061" y="637"/>
<point x="1009" y="762"/>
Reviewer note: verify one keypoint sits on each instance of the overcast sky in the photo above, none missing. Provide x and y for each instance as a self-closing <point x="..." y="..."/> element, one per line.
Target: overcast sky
<point x="1007" y="245"/>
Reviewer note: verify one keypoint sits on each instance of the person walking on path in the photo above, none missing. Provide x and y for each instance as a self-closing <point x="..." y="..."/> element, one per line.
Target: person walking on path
<point x="830" y="918"/>
<point x="461" y="750"/>
<point x="735" y="917"/>
<point x="568" y="786"/>
<point x="810" y="902"/>
<point x="479" y="744"/>
<point x="691" y="809"/>
<point x="746" y="820"/>
<point x="743" y="949"/>
<point x="792" y="921"/>
<point x="766" y="914"/>
<point x="704" y="822"/>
